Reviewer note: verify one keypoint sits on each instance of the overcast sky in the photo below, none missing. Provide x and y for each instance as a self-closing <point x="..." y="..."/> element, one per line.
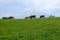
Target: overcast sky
<point x="23" y="8"/>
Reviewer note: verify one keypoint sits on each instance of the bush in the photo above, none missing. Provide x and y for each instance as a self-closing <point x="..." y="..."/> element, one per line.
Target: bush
<point x="51" y="16"/>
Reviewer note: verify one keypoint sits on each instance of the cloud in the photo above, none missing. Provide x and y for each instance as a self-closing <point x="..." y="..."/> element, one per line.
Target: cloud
<point x="46" y="4"/>
<point x="20" y="8"/>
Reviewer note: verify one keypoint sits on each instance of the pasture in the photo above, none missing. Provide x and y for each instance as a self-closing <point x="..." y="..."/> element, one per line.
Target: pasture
<point x="30" y="29"/>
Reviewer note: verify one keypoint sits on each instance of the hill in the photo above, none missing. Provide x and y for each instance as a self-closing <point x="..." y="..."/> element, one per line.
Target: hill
<point x="30" y="29"/>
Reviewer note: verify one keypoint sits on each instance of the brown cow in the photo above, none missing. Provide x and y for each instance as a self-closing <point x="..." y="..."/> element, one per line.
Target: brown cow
<point x="32" y="16"/>
<point x="10" y="17"/>
<point x="4" y="18"/>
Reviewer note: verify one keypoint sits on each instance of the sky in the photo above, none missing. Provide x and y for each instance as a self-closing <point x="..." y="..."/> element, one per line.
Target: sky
<point x="23" y="8"/>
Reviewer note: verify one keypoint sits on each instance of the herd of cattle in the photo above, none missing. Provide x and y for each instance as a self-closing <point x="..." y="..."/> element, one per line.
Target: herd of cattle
<point x="32" y="16"/>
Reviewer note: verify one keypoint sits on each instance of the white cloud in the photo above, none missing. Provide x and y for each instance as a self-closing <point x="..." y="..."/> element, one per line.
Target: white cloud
<point x="46" y="4"/>
<point x="28" y="7"/>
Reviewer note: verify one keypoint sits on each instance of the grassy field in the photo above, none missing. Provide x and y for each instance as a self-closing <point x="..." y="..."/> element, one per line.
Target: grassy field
<point x="30" y="29"/>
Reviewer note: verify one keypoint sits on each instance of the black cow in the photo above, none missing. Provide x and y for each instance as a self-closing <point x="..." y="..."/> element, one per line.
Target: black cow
<point x="42" y="16"/>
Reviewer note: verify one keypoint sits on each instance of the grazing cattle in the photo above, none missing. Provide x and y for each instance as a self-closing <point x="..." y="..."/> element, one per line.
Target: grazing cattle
<point x="32" y="16"/>
<point x="11" y="17"/>
<point x="42" y="16"/>
<point x="4" y="18"/>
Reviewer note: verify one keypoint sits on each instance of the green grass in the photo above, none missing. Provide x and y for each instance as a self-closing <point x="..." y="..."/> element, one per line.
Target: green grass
<point x="30" y="29"/>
